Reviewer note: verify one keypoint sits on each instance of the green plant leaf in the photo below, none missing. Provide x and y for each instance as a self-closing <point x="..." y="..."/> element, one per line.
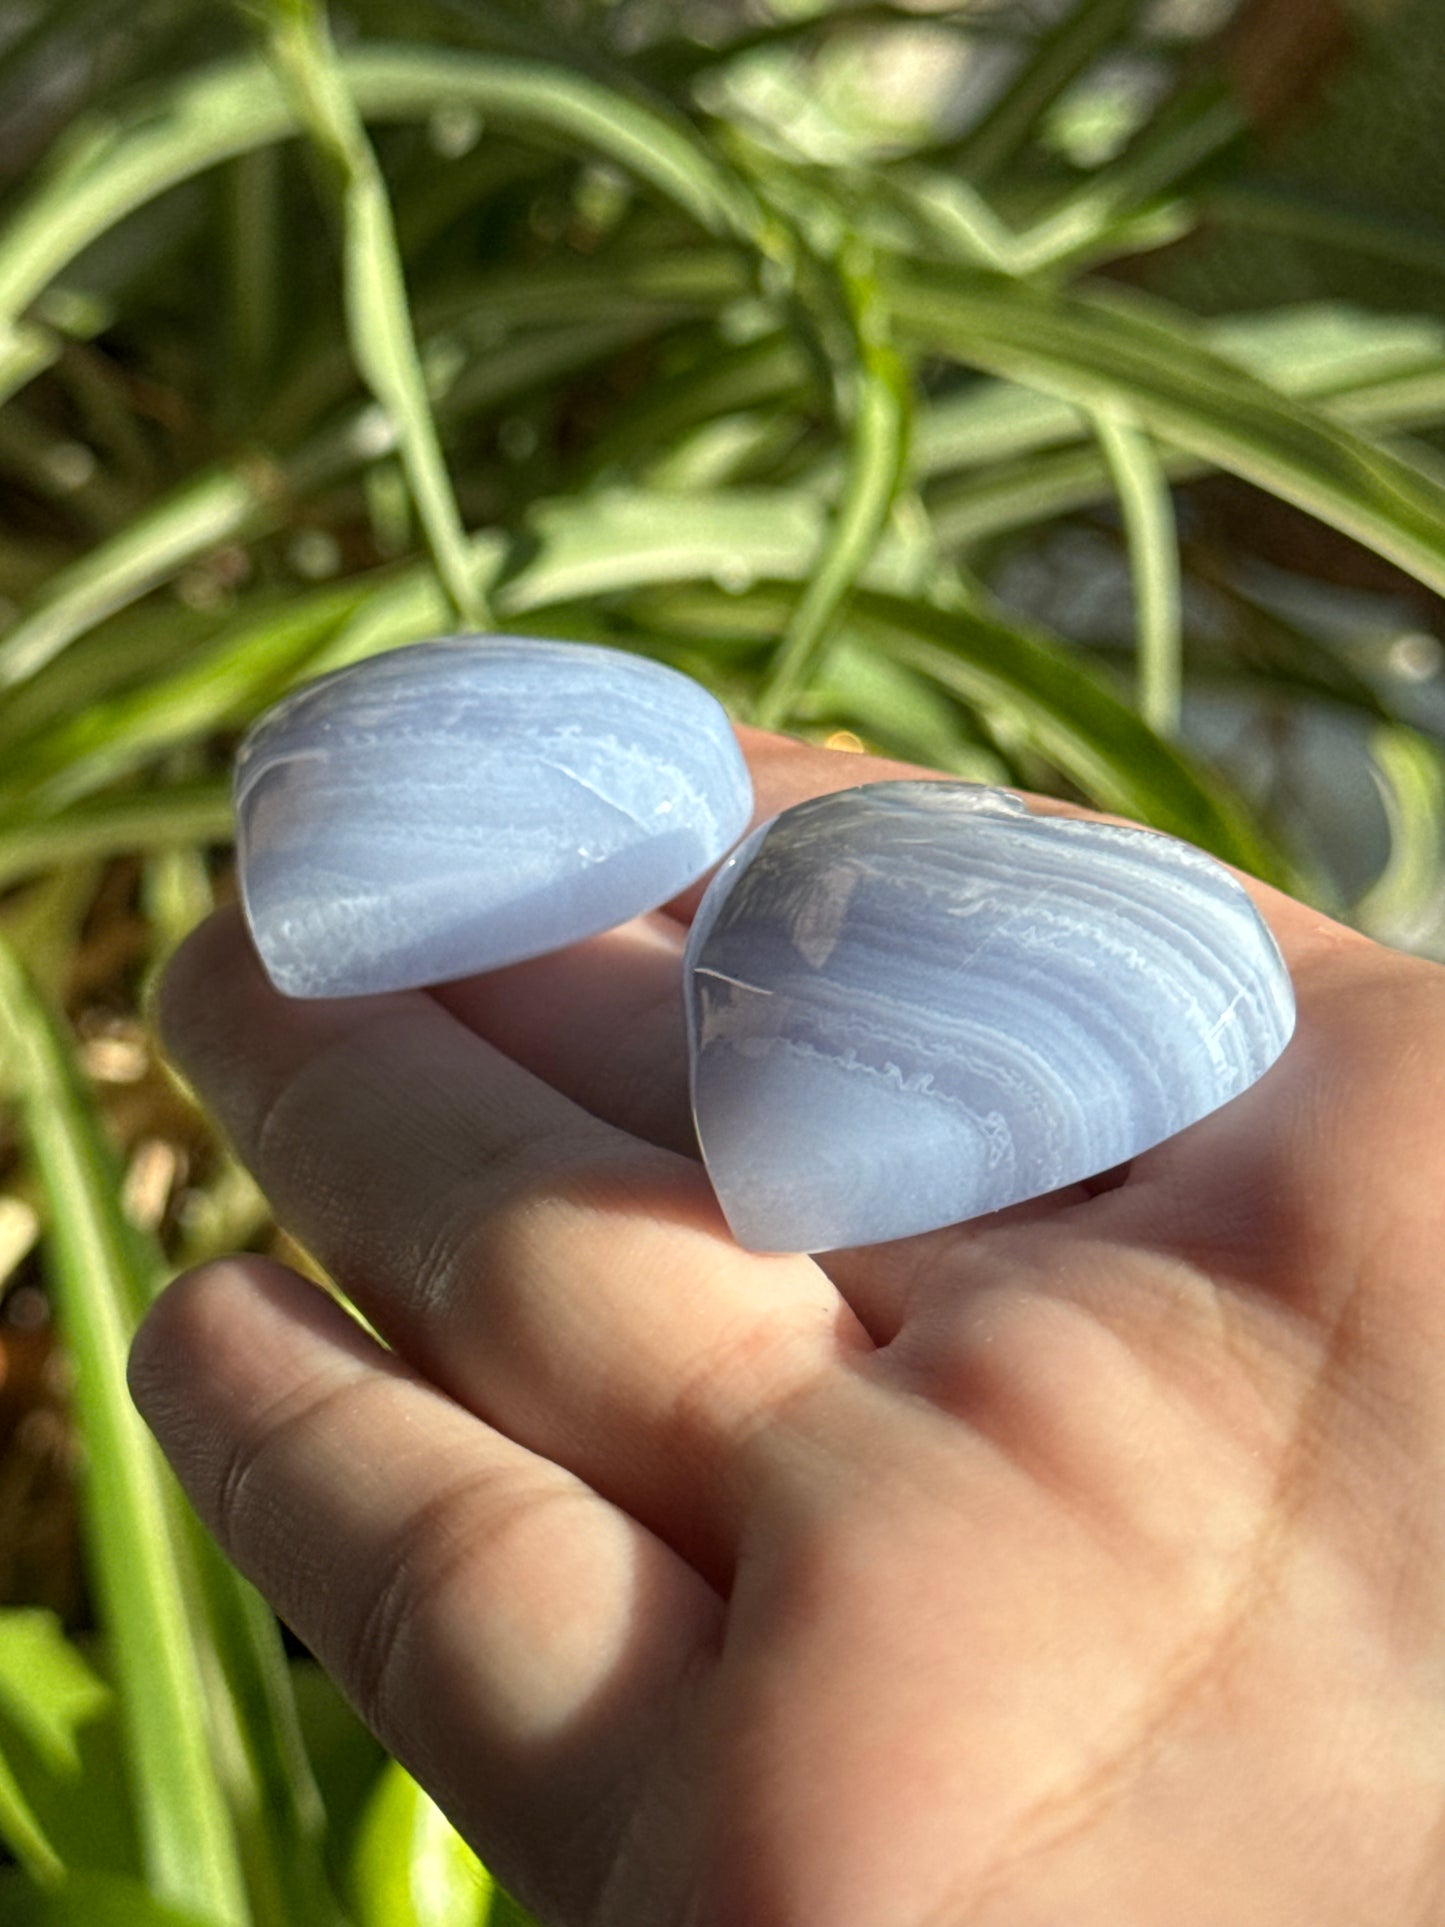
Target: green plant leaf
<point x="91" y="1900"/>
<point x="63" y="1802"/>
<point x="1406" y="903"/>
<point x="345" y="1757"/>
<point x="1117" y="210"/>
<point x="25" y="352"/>
<point x="1116" y="350"/>
<point x="252" y="495"/>
<point x="1060" y="702"/>
<point x="165" y="818"/>
<point x="899" y="712"/>
<point x="1079" y="35"/>
<point x="378" y="316"/>
<point x="99" y="1281"/>
<point x="877" y="450"/>
<point x="279" y="1814"/>
<point x="410" y="1867"/>
<point x="1382" y="370"/>
<point x="1148" y="512"/>
<point x="211" y="509"/>
<point x="107" y="169"/>
<point x="221" y="683"/>
<point x="1305" y="214"/>
<point x="1068" y="711"/>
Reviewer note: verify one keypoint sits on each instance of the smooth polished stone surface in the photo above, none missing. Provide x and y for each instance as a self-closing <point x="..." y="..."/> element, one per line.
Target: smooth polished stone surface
<point x="468" y="802"/>
<point x="913" y="1003"/>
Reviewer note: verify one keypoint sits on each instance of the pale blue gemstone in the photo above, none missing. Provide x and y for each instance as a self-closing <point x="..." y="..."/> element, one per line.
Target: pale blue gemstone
<point x="464" y="803"/>
<point x="913" y="1003"/>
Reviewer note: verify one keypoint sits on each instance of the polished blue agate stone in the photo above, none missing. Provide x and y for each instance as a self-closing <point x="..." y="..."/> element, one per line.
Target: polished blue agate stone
<point x="464" y="803"/>
<point x="913" y="1003"/>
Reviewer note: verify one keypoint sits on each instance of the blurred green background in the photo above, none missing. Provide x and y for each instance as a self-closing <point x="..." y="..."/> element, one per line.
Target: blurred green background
<point x="1053" y="393"/>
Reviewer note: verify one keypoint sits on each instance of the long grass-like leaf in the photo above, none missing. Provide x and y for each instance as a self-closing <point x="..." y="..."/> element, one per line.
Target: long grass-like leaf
<point x="177" y="817"/>
<point x="1305" y="214"/>
<point x="1062" y="53"/>
<point x="1375" y="370"/>
<point x="379" y="318"/>
<point x="90" y="1900"/>
<point x="878" y="446"/>
<point x="1404" y="905"/>
<point x="1060" y="702"/>
<point x="1191" y="129"/>
<point x="1115" y="350"/>
<point x="25" y="352"/>
<point x="1153" y="541"/>
<point x="220" y="683"/>
<point x="62" y="1798"/>
<point x="252" y="495"/>
<point x="23" y="1834"/>
<point x="110" y="170"/>
<point x="410" y="1867"/>
<point x="1074" y="718"/>
<point x="186" y="1833"/>
<point x="253" y="254"/>
<point x="280" y="1823"/>
<point x="214" y="508"/>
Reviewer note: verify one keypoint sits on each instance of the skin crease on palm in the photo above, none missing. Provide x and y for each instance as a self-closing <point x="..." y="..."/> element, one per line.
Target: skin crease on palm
<point x="1083" y="1566"/>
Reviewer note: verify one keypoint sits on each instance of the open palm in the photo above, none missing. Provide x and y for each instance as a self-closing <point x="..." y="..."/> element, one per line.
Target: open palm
<point x="1081" y="1565"/>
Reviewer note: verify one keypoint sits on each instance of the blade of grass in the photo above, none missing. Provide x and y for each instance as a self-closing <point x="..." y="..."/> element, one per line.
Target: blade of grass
<point x="188" y="1842"/>
<point x="1074" y="719"/>
<point x="1304" y="214"/>
<point x="253" y="258"/>
<point x="214" y="508"/>
<point x="1193" y="128"/>
<point x="476" y="312"/>
<point x="89" y="1900"/>
<point x="125" y="650"/>
<point x="253" y="495"/>
<point x="1061" y="54"/>
<point x="1147" y="508"/>
<point x="221" y="683"/>
<point x="379" y="322"/>
<point x="60" y="1742"/>
<point x="1118" y="350"/>
<point x="877" y="454"/>
<point x="410" y="1867"/>
<point x="1406" y="903"/>
<point x="974" y="507"/>
<point x="1370" y="368"/>
<point x="1062" y="703"/>
<point x="25" y="352"/>
<point x="893" y="709"/>
<point x="23" y="1835"/>
<point x="614" y="540"/>
<point x="107" y="170"/>
<point x="721" y="381"/>
<point x="250" y="1717"/>
<point x="280" y="1822"/>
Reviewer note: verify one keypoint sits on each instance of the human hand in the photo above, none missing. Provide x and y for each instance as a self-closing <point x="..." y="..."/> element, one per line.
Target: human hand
<point x="1080" y="1566"/>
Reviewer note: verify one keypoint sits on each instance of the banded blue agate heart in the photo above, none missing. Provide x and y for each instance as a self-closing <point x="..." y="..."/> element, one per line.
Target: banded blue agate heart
<point x="912" y="1003"/>
<point x="467" y="802"/>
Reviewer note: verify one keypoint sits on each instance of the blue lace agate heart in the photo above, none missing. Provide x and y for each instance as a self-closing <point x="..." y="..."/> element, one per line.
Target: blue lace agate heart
<point x="464" y="803"/>
<point x="912" y="1003"/>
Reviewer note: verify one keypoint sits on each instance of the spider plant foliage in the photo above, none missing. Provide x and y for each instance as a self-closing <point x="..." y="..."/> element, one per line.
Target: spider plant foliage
<point x="781" y="342"/>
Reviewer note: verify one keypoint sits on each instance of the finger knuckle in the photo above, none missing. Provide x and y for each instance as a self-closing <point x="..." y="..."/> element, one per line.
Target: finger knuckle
<point x="442" y="1550"/>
